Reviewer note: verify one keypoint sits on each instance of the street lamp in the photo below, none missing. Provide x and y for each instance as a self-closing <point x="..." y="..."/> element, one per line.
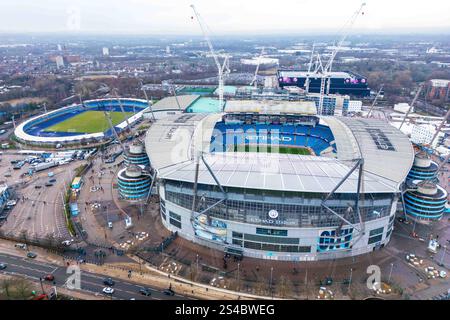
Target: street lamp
<point x="414" y="226"/>
<point x="239" y="286"/>
<point x="350" y="281"/>
<point x="271" y="278"/>
<point x="443" y="255"/>
<point x="390" y="273"/>
<point x="197" y="262"/>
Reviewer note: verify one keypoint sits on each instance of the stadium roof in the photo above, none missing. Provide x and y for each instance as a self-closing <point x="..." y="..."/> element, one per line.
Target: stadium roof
<point x="388" y="156"/>
<point x="282" y="172"/>
<point x="170" y="103"/>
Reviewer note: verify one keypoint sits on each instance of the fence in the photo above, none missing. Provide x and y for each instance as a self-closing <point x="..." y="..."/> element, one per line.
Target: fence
<point x="164" y="244"/>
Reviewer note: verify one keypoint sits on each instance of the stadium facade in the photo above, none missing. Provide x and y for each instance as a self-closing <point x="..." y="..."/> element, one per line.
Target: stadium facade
<point x="424" y="200"/>
<point x="282" y="185"/>
<point x="134" y="183"/>
<point x="340" y="82"/>
<point x="136" y="155"/>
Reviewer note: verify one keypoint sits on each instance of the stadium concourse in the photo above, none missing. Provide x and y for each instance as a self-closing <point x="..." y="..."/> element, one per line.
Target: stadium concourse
<point x="237" y="182"/>
<point x="72" y="124"/>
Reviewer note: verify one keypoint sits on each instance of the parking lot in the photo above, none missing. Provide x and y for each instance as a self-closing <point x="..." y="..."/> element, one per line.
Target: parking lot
<point x="39" y="209"/>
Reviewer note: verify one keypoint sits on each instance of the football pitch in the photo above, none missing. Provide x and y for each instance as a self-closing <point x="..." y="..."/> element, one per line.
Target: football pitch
<point x="270" y="149"/>
<point x="89" y="122"/>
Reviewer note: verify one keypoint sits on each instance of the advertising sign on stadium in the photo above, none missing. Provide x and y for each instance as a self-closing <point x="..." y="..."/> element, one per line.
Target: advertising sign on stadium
<point x="272" y="221"/>
<point x="330" y="241"/>
<point x="269" y="137"/>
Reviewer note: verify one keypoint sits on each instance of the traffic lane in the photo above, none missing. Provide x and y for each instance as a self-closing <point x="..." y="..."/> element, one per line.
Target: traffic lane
<point x="24" y="268"/>
<point x="89" y="281"/>
<point x="14" y="262"/>
<point x="124" y="289"/>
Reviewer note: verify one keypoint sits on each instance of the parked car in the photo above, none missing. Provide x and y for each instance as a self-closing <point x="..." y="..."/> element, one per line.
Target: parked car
<point x="31" y="255"/>
<point x="108" y="290"/>
<point x="11" y="203"/>
<point x="145" y="291"/>
<point x="22" y="246"/>
<point x="67" y="242"/>
<point x="48" y="184"/>
<point x="2" y="266"/>
<point x="108" y="281"/>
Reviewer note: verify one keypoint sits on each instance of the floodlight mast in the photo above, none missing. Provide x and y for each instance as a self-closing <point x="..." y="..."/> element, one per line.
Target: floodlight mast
<point x="221" y="69"/>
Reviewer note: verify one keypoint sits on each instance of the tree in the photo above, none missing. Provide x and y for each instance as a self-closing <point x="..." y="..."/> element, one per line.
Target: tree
<point x="6" y="287"/>
<point x="23" y="289"/>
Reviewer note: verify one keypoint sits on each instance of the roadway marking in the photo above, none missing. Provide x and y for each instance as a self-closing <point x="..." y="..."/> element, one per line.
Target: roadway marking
<point x="28" y="268"/>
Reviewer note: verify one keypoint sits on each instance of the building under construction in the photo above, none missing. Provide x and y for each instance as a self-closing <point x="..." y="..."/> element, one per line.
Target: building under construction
<point x="344" y="83"/>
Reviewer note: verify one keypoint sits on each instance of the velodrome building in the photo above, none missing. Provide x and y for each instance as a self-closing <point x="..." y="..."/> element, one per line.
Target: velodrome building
<point x="279" y="182"/>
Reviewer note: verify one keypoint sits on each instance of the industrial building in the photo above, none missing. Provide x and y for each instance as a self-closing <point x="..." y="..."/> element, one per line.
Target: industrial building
<point x="284" y="185"/>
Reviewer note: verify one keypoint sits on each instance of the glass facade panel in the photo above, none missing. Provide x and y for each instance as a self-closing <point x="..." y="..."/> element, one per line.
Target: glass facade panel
<point x="175" y="223"/>
<point x="294" y="209"/>
<point x="272" y="239"/>
<point x="375" y="239"/>
<point x="376" y="231"/>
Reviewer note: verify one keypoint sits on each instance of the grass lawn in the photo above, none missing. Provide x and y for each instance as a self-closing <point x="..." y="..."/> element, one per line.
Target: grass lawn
<point x="268" y="149"/>
<point x="89" y="122"/>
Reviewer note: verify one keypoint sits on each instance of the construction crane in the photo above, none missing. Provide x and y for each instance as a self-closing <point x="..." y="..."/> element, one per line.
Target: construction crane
<point x="438" y="130"/>
<point x="222" y="69"/>
<point x="307" y="81"/>
<point x="412" y="105"/>
<point x="255" y="78"/>
<point x="346" y="30"/>
<point x="375" y="100"/>
<point x="325" y="72"/>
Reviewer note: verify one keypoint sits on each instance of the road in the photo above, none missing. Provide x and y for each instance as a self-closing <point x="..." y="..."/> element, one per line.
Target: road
<point x="90" y="282"/>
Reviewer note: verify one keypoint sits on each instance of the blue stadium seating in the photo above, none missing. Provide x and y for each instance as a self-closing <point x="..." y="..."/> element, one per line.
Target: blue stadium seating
<point x="318" y="138"/>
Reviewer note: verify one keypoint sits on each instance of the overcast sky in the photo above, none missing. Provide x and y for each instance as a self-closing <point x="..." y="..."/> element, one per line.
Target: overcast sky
<point x="224" y="16"/>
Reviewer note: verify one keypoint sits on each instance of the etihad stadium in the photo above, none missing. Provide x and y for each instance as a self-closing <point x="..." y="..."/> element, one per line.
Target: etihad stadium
<point x="279" y="182"/>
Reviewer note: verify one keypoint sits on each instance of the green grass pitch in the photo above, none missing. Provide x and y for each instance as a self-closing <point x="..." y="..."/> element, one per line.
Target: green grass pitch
<point x="268" y="149"/>
<point x="89" y="122"/>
